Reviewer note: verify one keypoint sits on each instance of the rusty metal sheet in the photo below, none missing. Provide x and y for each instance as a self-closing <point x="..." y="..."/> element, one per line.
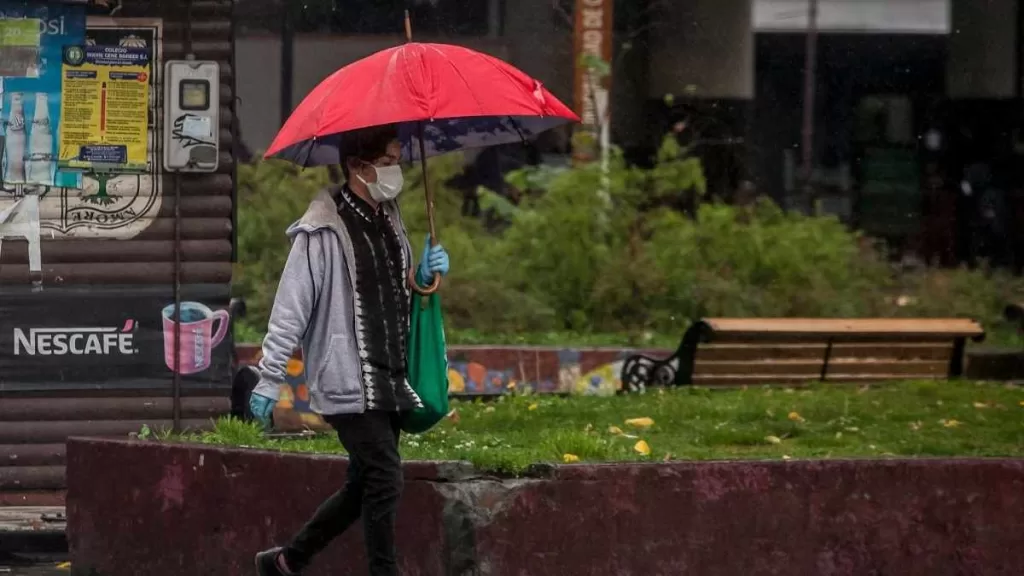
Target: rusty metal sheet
<point x="139" y="273"/>
<point x="204" y="49"/>
<point x="191" y="229"/>
<point x="38" y="432"/>
<point x="116" y="408"/>
<point x="201" y="28"/>
<point x="139" y="262"/>
<point x="32" y="519"/>
<point x="33" y="498"/>
<point x="87" y="251"/>
<point x="32" y="454"/>
<point x="32" y="478"/>
<point x="204" y="185"/>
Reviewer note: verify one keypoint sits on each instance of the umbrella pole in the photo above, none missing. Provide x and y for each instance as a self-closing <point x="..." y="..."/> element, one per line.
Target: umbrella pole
<point x="428" y="192"/>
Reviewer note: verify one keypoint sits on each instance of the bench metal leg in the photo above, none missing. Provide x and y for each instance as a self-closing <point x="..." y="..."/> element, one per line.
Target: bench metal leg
<point x="640" y="372"/>
<point x="956" y="361"/>
<point x="826" y="360"/>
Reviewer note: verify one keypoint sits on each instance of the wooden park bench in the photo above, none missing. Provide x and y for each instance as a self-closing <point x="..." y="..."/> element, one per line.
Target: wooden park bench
<point x="794" y="351"/>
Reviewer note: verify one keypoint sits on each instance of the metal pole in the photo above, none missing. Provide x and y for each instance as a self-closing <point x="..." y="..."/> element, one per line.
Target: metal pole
<point x="176" y="383"/>
<point x="427" y="190"/>
<point x="287" y="60"/>
<point x="810" y="79"/>
<point x="1019" y="45"/>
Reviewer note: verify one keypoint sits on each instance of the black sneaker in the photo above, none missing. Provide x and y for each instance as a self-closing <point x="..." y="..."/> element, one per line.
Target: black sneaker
<point x="266" y="563"/>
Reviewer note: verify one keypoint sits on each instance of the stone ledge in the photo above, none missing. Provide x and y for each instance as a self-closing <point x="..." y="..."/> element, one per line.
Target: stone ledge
<point x="165" y="510"/>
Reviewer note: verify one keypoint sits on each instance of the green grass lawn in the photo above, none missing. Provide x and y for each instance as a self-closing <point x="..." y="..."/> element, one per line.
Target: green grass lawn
<point x="910" y="419"/>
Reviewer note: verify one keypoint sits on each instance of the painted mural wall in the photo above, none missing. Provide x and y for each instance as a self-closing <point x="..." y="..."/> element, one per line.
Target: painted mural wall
<point x="475" y="371"/>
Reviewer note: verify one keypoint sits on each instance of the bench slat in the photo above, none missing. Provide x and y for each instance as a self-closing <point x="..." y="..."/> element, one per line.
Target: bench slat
<point x="813" y="369"/>
<point x="891" y="350"/>
<point x="801" y="380"/>
<point x="842" y="329"/>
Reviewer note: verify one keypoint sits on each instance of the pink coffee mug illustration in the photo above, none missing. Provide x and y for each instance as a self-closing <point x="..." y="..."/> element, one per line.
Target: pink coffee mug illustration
<point x="198" y="338"/>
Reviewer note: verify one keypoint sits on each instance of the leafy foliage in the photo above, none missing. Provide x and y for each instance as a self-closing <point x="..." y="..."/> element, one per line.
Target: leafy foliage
<point x="587" y="253"/>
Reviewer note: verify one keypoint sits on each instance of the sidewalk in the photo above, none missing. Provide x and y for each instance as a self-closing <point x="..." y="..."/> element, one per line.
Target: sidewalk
<point x="35" y="570"/>
<point x="32" y="541"/>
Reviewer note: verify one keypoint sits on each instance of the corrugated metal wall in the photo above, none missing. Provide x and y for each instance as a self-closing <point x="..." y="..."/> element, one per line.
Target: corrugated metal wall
<point x="131" y="252"/>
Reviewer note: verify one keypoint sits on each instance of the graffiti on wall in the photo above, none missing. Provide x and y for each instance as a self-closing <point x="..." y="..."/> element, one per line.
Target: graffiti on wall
<point x="479" y="371"/>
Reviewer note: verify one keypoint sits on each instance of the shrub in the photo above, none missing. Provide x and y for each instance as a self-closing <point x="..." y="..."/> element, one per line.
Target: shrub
<point x="589" y="252"/>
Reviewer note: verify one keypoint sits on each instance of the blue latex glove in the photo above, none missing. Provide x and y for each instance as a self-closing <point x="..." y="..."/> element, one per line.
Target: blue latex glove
<point x="434" y="261"/>
<point x="262" y="409"/>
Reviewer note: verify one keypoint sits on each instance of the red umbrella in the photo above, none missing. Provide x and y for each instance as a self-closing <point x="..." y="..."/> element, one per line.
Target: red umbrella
<point x="443" y="98"/>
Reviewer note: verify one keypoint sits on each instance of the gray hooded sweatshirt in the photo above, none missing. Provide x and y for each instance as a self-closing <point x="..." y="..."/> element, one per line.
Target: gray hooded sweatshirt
<point x="314" y="309"/>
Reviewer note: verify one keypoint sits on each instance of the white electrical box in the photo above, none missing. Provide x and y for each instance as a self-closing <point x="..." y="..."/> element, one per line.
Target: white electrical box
<point x="191" y="116"/>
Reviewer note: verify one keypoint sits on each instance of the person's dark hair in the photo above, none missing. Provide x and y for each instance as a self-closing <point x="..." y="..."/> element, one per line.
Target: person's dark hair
<point x="366" y="144"/>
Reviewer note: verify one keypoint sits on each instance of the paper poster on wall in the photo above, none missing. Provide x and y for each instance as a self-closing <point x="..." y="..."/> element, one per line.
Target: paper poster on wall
<point x="30" y="98"/>
<point x="105" y="106"/>
<point x="19" y="47"/>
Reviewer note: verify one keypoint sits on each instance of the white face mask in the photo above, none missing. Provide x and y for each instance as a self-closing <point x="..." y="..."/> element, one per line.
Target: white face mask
<point x="388" y="185"/>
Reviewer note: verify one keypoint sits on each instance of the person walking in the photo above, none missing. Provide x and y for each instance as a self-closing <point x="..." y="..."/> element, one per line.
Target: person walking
<point x="344" y="297"/>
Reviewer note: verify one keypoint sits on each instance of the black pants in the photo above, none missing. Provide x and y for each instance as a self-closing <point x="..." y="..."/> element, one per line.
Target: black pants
<point x="372" y="490"/>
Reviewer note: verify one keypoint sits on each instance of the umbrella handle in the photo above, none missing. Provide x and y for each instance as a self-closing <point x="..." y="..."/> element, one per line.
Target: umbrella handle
<point x="429" y="289"/>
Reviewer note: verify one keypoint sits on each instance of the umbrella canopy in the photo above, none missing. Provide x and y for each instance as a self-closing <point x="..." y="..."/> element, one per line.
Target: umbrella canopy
<point x="459" y="98"/>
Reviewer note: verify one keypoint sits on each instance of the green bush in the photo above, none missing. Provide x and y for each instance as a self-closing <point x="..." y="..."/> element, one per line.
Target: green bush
<point x="271" y="195"/>
<point x="589" y="253"/>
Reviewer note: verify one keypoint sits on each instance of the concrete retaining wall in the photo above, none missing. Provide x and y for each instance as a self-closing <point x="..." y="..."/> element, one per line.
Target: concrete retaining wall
<point x="166" y="510"/>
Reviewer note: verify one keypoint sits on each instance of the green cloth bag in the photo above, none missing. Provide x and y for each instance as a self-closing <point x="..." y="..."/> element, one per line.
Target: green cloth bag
<point x="428" y="364"/>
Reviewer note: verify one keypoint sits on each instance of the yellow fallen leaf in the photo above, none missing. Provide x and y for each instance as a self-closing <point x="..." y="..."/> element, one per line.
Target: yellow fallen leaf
<point x="64" y="566"/>
<point x="588" y="428"/>
<point x="1022" y="402"/>
<point x="667" y="458"/>
<point x="570" y="458"/>
<point x="980" y="405"/>
<point x="615" y="430"/>
<point x="839" y="435"/>
<point x="640" y="422"/>
<point x="950" y="423"/>
<point x="915" y="426"/>
<point x="454" y="416"/>
<point x="787" y="457"/>
<point x="795" y="417"/>
<point x="533" y="407"/>
<point x="489" y="409"/>
<point x="642" y="447"/>
<point x="773" y="439"/>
